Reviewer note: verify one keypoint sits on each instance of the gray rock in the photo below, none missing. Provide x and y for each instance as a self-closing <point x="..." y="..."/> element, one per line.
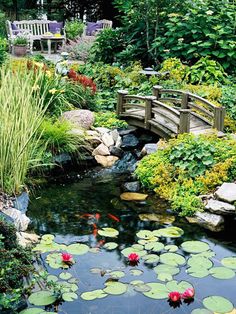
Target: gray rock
<point x="106" y="161"/>
<point x="129" y="141"/>
<point x="102" y="130"/>
<point x="6" y="218"/>
<point x="115" y="135"/>
<point x="62" y="158"/>
<point x="130" y="129"/>
<point x="115" y="151"/>
<point x="80" y="118"/>
<point x="218" y="207"/>
<point x="146" y="138"/>
<point x="149" y="149"/>
<point x="107" y="139"/>
<point x="131" y="186"/>
<point x="227" y="192"/>
<point x="21" y="221"/>
<point x="25" y="238"/>
<point x="119" y="142"/>
<point x="208" y="221"/>
<point x="101" y="150"/>
<point x="21" y="203"/>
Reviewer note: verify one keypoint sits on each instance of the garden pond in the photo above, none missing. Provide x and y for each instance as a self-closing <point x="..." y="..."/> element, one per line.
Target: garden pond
<point x="75" y="209"/>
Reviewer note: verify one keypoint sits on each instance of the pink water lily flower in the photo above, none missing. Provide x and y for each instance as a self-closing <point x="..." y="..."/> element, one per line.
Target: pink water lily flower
<point x="174" y="296"/>
<point x="188" y="294"/>
<point x="133" y="259"/>
<point x="67" y="258"/>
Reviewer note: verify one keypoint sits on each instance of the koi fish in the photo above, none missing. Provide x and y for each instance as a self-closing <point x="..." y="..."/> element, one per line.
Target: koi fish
<point x="100" y="243"/>
<point x="113" y="217"/>
<point x="87" y="216"/>
<point x="97" y="216"/>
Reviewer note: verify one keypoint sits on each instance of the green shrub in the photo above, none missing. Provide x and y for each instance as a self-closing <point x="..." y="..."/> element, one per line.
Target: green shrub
<point x="109" y="120"/>
<point x="74" y="29"/>
<point x="20" y="41"/>
<point x="228" y="100"/>
<point x="3" y="48"/>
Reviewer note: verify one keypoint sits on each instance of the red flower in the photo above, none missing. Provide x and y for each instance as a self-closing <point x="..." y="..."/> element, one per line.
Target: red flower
<point x="174" y="296"/>
<point x="133" y="257"/>
<point x="83" y="80"/>
<point x="67" y="258"/>
<point x="188" y="294"/>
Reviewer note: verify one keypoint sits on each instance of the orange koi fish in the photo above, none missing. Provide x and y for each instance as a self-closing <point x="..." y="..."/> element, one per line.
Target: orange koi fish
<point x="113" y="217"/>
<point x="97" y="216"/>
<point x="87" y="215"/>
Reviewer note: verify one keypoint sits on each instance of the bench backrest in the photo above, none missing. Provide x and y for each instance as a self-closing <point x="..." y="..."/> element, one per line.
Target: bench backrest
<point x="106" y="23"/>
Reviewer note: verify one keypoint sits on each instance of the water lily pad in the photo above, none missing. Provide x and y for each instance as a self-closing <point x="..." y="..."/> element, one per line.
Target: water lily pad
<point x="130" y="196"/>
<point x="229" y="262"/>
<point x="207" y="254"/>
<point x="130" y="250"/>
<point x="115" y="288"/>
<point x="150" y="258"/>
<point x="198" y="272"/>
<point x="110" y="246"/>
<point x="172" y="259"/>
<point x="78" y="249"/>
<point x="164" y="277"/>
<point x="96" y="270"/>
<point x="136" y="282"/>
<point x="32" y="311"/>
<point x="69" y="296"/>
<point x="222" y="272"/>
<point x="144" y="234"/>
<point x="154" y="246"/>
<point x="141" y="287"/>
<point x="218" y="304"/>
<point x="200" y="262"/>
<point x="94" y="250"/>
<point x="92" y="295"/>
<point x="201" y="311"/>
<point x="48" y="237"/>
<point x="52" y="278"/>
<point x="195" y="246"/>
<point x="42" y="298"/>
<point x="158" y="291"/>
<point x="166" y="269"/>
<point x="178" y="286"/>
<point x="169" y="232"/>
<point x="65" y="276"/>
<point x="54" y="261"/>
<point x="136" y="272"/>
<point x="117" y="274"/>
<point x="108" y="232"/>
<point x="138" y="247"/>
<point x="171" y="248"/>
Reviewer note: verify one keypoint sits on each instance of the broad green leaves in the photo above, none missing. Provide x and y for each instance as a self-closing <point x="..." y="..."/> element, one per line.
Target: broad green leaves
<point x="42" y="298"/>
<point x="229" y="262"/>
<point x="195" y="246"/>
<point x="108" y="232"/>
<point x="218" y="304"/>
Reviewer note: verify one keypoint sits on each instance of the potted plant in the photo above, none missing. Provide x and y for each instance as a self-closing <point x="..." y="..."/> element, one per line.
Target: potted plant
<point x="20" y="44"/>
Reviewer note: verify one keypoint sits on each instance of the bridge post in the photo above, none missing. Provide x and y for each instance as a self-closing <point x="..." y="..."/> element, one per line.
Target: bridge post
<point x="184" y="121"/>
<point x="157" y="91"/>
<point x="148" y="110"/>
<point x="120" y="101"/>
<point x="219" y="115"/>
<point x="184" y="103"/>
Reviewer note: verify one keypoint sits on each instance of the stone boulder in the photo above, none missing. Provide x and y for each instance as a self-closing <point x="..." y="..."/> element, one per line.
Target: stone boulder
<point x="115" y="151"/>
<point x="129" y="141"/>
<point x="101" y="150"/>
<point x="80" y="118"/>
<point x="131" y="186"/>
<point x="106" y="161"/>
<point x="149" y="149"/>
<point x="208" y="221"/>
<point x="130" y="129"/>
<point x="218" y="207"/>
<point x="107" y="139"/>
<point x="25" y="238"/>
<point x="227" y="192"/>
<point x="21" y="221"/>
<point x="130" y="196"/>
<point x="102" y="130"/>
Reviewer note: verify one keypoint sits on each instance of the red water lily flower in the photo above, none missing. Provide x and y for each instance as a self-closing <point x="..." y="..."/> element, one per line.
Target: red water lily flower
<point x="188" y="294"/>
<point x="67" y="258"/>
<point x="133" y="257"/>
<point x="174" y="296"/>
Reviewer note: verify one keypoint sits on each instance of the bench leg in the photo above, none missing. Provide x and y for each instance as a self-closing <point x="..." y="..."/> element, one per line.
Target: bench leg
<point x="41" y="45"/>
<point x="49" y="46"/>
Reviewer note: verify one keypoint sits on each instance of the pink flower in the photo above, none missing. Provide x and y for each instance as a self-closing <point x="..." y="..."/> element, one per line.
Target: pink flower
<point x="67" y="258"/>
<point x="174" y="296"/>
<point x="188" y="294"/>
<point x="133" y="257"/>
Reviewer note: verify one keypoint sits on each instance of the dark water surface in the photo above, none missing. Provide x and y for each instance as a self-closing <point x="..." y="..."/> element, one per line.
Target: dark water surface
<point x="58" y="208"/>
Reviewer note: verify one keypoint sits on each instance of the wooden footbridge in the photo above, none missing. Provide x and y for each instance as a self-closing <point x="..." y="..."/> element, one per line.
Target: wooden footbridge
<point x="170" y="112"/>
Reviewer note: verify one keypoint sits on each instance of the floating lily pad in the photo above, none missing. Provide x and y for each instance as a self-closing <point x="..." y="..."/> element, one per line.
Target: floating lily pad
<point x="32" y="311"/>
<point x="164" y="277"/>
<point x="207" y="254"/>
<point x="200" y="262"/>
<point x="54" y="261"/>
<point x="108" y="232"/>
<point x="169" y="232"/>
<point x="52" y="278"/>
<point x="195" y="246"/>
<point x="130" y="196"/>
<point x="201" y="311"/>
<point x="154" y="246"/>
<point x="150" y="258"/>
<point x="166" y="269"/>
<point x="171" y="248"/>
<point x="222" y="272"/>
<point x="94" y="250"/>
<point x="65" y="276"/>
<point x="92" y="295"/>
<point x="144" y="234"/>
<point x="136" y="282"/>
<point x="136" y="272"/>
<point x="42" y="298"/>
<point x="115" y="288"/>
<point x="141" y="287"/>
<point x="110" y="246"/>
<point x="126" y="252"/>
<point x="48" y="237"/>
<point x="78" y="249"/>
<point x="229" y="262"/>
<point x="69" y="296"/>
<point x="218" y="304"/>
<point x="172" y="259"/>
<point x="178" y="286"/>
<point x="96" y="270"/>
<point x="138" y="247"/>
<point x="198" y="272"/>
<point x="117" y="274"/>
<point x="158" y="291"/>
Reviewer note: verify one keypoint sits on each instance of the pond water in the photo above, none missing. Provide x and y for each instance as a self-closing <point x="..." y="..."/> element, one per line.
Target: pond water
<point x="73" y="210"/>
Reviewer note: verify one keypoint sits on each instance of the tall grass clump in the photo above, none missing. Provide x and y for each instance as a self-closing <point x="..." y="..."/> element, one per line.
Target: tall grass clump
<point x="21" y="114"/>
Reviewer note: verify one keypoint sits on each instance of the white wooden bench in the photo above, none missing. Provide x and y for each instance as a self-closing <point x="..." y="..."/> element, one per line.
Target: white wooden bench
<point x="32" y="29"/>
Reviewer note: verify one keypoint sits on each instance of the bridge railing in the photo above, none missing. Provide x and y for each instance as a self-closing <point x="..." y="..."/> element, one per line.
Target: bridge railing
<point x="201" y="108"/>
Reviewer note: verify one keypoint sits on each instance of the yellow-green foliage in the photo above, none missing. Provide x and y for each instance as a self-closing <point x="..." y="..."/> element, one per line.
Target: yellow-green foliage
<point x="175" y="68"/>
<point x="109" y="120"/>
<point x="210" y="92"/>
<point x="187" y="166"/>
